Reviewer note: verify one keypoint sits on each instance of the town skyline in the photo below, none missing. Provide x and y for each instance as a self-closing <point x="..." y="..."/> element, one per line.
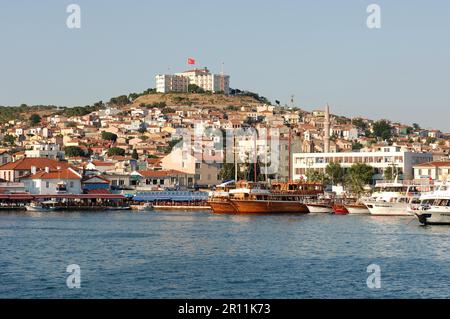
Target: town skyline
<point x="336" y="59"/>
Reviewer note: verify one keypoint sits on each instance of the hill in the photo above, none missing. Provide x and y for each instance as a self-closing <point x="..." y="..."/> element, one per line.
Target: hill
<point x="206" y="99"/>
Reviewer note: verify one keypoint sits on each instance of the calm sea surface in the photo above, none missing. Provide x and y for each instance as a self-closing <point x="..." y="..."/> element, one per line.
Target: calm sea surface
<point x="200" y="255"/>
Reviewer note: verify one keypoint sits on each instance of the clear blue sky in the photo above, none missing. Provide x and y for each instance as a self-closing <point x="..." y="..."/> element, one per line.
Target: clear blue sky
<point x="320" y="51"/>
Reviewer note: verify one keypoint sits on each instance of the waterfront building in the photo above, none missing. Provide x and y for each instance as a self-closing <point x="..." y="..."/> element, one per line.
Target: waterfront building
<point x="438" y="170"/>
<point x="200" y="169"/>
<point x="154" y="180"/>
<point x="96" y="182"/>
<point x="52" y="182"/>
<point x="380" y="159"/>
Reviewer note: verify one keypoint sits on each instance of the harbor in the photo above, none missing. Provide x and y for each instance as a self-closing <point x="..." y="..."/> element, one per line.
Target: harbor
<point x="176" y="254"/>
<point x="426" y="200"/>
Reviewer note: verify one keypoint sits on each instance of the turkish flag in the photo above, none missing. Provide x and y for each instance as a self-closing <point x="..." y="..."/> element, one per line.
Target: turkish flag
<point x="191" y="61"/>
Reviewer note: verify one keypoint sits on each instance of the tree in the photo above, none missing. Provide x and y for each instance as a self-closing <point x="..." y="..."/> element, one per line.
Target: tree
<point x="334" y="172"/>
<point x="227" y="171"/>
<point x="382" y="129"/>
<point x="107" y="136"/>
<point x="416" y="127"/>
<point x="135" y="155"/>
<point x="121" y="100"/>
<point x="193" y="88"/>
<point x="10" y="139"/>
<point x="35" y="119"/>
<point x="356" y="146"/>
<point x="316" y="176"/>
<point x="167" y="110"/>
<point x="113" y="151"/>
<point x="391" y="172"/>
<point x="360" y="124"/>
<point x="74" y="151"/>
<point x="358" y="175"/>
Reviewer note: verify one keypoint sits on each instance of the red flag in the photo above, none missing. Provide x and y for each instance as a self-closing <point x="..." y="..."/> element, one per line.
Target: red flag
<point x="191" y="61"/>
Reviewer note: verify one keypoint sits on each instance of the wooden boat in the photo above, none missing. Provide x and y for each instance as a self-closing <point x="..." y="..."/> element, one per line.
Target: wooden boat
<point x="284" y="198"/>
<point x="219" y="200"/>
<point x="222" y="206"/>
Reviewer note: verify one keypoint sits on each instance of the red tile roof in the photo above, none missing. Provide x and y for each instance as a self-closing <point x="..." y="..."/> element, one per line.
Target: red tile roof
<point x="55" y="174"/>
<point x="40" y="163"/>
<point x="435" y="164"/>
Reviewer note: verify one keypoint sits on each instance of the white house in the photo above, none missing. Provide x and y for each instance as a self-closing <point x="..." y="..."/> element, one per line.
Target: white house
<point x="51" y="182"/>
<point x="46" y="150"/>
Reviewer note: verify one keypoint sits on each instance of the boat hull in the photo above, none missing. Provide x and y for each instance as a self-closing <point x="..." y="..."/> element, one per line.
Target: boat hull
<point x="222" y="207"/>
<point x="440" y="216"/>
<point x="323" y="209"/>
<point x="388" y="209"/>
<point x="339" y="209"/>
<point x="269" y="207"/>
<point x="357" y="209"/>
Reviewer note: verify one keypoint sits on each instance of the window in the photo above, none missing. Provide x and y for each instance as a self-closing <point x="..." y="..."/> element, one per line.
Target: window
<point x="47" y="184"/>
<point x="71" y="184"/>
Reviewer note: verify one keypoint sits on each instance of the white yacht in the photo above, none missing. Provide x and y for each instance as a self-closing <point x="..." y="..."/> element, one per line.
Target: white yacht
<point x="393" y="198"/>
<point x="434" y="208"/>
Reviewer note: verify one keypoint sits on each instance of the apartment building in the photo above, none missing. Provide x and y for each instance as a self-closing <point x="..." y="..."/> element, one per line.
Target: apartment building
<point x="380" y="159"/>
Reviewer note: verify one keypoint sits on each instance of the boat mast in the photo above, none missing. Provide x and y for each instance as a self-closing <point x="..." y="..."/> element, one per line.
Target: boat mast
<point x="235" y="161"/>
<point x="254" y="161"/>
<point x="289" y="150"/>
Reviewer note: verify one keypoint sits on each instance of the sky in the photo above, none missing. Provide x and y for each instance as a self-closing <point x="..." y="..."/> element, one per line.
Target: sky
<point x="319" y="51"/>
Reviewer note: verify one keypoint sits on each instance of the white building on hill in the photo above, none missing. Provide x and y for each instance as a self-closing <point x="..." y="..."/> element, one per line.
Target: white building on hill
<point x="201" y="77"/>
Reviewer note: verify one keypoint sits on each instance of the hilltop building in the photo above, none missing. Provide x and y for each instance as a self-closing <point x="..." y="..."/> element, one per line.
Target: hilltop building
<point x="203" y="78"/>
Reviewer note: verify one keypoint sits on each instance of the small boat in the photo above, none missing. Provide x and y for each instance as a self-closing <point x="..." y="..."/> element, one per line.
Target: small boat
<point x="319" y="208"/>
<point x="118" y="208"/>
<point x="41" y="206"/>
<point x="357" y="209"/>
<point x="146" y="207"/>
<point x="339" y="209"/>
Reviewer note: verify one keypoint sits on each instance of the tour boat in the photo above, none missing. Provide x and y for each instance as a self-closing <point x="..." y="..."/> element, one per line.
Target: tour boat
<point x="393" y="198"/>
<point x="434" y="207"/>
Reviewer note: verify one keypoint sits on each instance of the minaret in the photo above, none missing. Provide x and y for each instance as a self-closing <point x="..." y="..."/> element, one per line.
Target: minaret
<point x="326" y="127"/>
